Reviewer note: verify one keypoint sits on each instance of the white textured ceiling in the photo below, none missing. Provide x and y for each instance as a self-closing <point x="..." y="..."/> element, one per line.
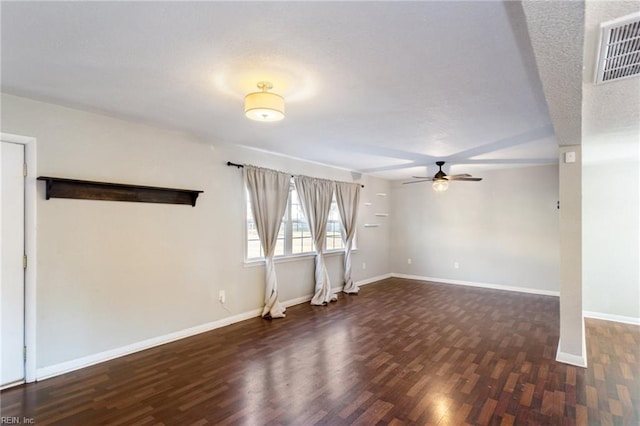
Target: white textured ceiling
<point x="556" y="30"/>
<point x="379" y="87"/>
<point x="565" y="37"/>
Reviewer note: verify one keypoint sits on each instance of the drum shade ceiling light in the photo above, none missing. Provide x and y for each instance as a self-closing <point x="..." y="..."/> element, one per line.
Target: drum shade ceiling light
<point x="264" y="106"/>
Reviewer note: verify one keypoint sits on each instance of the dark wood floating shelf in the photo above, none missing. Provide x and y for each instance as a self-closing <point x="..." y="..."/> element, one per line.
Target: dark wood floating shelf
<point x="88" y="190"/>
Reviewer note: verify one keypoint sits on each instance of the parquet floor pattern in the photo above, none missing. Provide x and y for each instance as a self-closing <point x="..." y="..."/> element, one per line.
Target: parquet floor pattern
<point x="401" y="352"/>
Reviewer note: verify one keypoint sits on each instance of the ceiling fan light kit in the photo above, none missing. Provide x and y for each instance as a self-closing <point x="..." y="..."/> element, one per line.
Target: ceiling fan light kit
<point x="441" y="180"/>
<point x="440" y="185"/>
<point x="263" y="105"/>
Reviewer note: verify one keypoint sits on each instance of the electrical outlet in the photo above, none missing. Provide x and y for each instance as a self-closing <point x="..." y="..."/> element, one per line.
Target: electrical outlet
<point x="456" y="265"/>
<point x="222" y="297"/>
<point x="409" y="261"/>
<point x="364" y="265"/>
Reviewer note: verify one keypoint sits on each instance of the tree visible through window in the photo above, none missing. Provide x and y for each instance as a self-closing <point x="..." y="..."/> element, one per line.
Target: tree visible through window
<point x="294" y="237"/>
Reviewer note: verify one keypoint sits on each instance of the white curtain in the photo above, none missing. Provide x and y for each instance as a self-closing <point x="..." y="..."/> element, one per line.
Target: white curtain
<point x="348" y="199"/>
<point x="315" y="198"/>
<point x="269" y="191"/>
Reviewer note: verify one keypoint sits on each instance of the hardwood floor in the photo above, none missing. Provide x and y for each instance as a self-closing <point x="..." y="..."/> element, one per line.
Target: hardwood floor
<point x="401" y="352"/>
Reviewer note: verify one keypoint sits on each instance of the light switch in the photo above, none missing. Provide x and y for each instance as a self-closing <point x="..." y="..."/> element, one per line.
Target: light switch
<point x="570" y="157"/>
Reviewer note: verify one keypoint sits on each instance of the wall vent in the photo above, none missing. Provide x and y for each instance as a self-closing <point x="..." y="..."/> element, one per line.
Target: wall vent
<point x="619" y="55"/>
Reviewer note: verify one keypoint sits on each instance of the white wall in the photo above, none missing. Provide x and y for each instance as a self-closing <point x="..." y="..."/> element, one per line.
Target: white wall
<point x="611" y="248"/>
<point x="610" y="181"/>
<point x="502" y="230"/>
<point x="111" y="274"/>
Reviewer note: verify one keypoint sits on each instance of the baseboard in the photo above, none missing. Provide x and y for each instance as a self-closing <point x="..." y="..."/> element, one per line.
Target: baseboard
<point x="76" y="364"/>
<point x="307" y="298"/>
<point x="68" y="366"/>
<point x="299" y="300"/>
<point x="11" y="385"/>
<point x="481" y="285"/>
<point x="373" y="279"/>
<point x="587" y="314"/>
<point x="611" y="317"/>
<point x="87" y="361"/>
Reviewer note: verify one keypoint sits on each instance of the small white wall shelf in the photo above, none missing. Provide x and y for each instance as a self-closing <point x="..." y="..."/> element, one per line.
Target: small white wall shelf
<point x="382" y="214"/>
<point x="371" y="225"/>
<point x="381" y="194"/>
<point x="367" y="204"/>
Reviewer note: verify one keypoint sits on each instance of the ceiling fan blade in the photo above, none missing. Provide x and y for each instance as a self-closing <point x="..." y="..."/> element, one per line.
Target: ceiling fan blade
<point x="471" y="179"/>
<point x="422" y="177"/>
<point x="417" y="181"/>
<point x="460" y="175"/>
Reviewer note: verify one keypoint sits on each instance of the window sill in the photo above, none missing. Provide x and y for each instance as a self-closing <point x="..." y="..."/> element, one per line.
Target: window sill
<point x="294" y="258"/>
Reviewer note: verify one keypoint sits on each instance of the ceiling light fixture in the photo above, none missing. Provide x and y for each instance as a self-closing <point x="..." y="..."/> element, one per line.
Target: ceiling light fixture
<point x="264" y="106"/>
<point x="440" y="185"/>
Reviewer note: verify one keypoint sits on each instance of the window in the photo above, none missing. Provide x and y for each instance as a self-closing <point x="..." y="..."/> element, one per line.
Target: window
<point x="294" y="237"/>
<point x="333" y="240"/>
<point x="301" y="241"/>
<point x="254" y="248"/>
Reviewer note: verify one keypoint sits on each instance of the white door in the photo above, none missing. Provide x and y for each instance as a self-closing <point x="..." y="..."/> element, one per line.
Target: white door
<point x="11" y="256"/>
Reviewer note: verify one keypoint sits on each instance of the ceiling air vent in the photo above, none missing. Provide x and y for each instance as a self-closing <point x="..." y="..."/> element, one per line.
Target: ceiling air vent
<point x="619" y="49"/>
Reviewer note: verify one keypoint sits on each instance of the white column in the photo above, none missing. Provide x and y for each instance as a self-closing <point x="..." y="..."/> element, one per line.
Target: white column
<point x="572" y="345"/>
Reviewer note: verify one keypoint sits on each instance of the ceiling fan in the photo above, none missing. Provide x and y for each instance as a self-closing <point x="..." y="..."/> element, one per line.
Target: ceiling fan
<point x="441" y="179"/>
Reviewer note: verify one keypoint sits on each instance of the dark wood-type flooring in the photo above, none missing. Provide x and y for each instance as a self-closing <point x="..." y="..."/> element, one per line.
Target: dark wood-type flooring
<point x="401" y="352"/>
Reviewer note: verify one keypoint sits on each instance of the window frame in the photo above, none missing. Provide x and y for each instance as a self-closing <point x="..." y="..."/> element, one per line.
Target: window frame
<point x="287" y="221"/>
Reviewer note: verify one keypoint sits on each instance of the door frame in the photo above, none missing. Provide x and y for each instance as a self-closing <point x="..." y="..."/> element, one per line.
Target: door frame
<point x="30" y="240"/>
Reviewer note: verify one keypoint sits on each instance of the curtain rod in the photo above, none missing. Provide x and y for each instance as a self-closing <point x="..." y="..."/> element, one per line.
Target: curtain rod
<point x="240" y="166"/>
